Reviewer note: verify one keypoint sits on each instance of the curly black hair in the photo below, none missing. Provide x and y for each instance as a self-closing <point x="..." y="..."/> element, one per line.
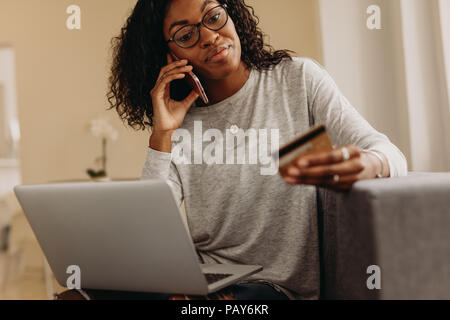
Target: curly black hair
<point x="139" y="53"/>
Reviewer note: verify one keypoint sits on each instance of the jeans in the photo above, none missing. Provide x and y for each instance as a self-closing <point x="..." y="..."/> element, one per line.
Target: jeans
<point x="241" y="291"/>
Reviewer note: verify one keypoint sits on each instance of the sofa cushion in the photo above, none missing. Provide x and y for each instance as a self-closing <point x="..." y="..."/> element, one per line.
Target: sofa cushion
<point x="401" y="224"/>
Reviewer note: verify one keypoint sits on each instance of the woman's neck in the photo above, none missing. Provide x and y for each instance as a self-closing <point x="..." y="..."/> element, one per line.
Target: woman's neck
<point x="219" y="90"/>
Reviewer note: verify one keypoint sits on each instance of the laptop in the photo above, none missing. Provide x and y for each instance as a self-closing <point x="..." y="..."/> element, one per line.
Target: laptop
<point x="124" y="236"/>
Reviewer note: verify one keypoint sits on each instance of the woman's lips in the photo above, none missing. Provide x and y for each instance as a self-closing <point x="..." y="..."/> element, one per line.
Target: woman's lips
<point x="220" y="55"/>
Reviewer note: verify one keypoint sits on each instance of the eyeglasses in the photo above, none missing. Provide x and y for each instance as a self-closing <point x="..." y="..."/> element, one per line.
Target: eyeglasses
<point x="188" y="36"/>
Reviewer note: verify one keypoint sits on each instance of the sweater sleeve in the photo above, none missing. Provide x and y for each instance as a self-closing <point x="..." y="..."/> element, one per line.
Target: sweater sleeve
<point x="343" y="122"/>
<point x="159" y="165"/>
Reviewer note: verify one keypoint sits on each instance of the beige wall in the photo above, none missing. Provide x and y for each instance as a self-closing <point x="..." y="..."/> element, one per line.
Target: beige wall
<point x="367" y="64"/>
<point x="291" y="24"/>
<point x="62" y="78"/>
<point x="394" y="76"/>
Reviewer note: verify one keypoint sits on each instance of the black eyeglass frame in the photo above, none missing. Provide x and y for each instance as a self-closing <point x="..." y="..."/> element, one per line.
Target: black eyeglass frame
<point x="172" y="38"/>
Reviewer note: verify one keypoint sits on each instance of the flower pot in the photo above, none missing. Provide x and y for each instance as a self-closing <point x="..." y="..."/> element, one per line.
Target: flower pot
<point x="101" y="179"/>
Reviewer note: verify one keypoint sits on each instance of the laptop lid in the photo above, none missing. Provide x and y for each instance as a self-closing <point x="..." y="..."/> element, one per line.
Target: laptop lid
<point x="122" y="235"/>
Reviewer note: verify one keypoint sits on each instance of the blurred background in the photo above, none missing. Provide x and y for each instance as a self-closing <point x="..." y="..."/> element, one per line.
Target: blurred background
<point x="391" y="61"/>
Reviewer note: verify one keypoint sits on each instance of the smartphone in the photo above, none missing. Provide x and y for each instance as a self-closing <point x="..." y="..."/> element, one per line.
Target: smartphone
<point x="195" y="83"/>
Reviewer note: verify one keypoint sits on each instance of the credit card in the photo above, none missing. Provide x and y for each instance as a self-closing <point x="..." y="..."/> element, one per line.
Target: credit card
<point x="314" y="140"/>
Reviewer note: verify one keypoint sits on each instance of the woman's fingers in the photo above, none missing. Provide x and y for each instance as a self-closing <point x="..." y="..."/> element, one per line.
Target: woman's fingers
<point x="190" y="99"/>
<point x="343" y="179"/>
<point x="182" y="69"/>
<point x="351" y="166"/>
<point x="162" y="81"/>
<point x="166" y="80"/>
<point x="344" y="183"/>
<point x="328" y="169"/>
<point x="169" y="114"/>
<point x="326" y="157"/>
<point x="177" y="70"/>
<point x="172" y="66"/>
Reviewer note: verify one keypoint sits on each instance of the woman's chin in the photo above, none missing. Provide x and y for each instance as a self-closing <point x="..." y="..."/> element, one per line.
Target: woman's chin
<point x="222" y="71"/>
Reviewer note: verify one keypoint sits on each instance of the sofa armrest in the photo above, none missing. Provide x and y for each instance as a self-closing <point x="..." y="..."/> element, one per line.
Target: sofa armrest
<point x="400" y="224"/>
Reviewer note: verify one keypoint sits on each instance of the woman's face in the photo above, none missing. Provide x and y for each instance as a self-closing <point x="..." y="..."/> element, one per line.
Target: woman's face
<point x="183" y="12"/>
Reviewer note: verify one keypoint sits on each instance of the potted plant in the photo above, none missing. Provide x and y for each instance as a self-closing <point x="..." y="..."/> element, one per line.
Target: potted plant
<point x="101" y="128"/>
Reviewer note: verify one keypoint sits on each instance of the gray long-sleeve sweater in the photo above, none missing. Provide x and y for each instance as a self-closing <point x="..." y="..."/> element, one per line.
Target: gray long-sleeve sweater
<point x="241" y="211"/>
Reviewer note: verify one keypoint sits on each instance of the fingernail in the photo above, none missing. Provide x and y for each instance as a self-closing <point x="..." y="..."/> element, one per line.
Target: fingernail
<point x="288" y="179"/>
<point x="303" y="163"/>
<point x="293" y="171"/>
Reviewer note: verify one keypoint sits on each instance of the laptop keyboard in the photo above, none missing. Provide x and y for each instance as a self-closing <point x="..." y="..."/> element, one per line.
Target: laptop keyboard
<point x="214" y="277"/>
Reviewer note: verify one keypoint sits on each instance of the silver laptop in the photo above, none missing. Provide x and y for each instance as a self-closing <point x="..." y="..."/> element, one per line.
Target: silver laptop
<point x="125" y="236"/>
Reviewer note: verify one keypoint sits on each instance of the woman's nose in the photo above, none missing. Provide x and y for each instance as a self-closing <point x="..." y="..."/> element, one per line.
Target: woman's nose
<point x="208" y="37"/>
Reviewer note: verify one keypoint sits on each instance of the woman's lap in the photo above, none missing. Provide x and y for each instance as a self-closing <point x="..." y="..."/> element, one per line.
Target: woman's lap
<point x="241" y="291"/>
<point x="256" y="291"/>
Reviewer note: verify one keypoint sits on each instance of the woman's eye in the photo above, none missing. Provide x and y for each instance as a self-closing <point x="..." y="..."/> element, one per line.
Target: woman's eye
<point x="214" y="18"/>
<point x="185" y="37"/>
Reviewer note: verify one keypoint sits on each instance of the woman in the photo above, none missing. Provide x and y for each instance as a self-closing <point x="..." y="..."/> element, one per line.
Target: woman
<point x="235" y="213"/>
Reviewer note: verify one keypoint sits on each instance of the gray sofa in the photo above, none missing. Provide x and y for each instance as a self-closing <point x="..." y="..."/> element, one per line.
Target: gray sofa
<point x="400" y="224"/>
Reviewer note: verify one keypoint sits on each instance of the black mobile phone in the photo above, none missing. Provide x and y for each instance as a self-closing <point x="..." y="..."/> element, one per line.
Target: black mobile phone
<point x="194" y="83"/>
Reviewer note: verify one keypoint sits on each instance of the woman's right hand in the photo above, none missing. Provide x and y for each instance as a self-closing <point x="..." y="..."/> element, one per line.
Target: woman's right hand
<point x="168" y="114"/>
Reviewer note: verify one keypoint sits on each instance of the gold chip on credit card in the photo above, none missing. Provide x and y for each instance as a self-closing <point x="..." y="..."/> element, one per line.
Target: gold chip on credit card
<point x="314" y="140"/>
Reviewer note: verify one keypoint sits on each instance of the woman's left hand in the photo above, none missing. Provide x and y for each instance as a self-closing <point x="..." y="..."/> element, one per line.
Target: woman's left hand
<point x="331" y="169"/>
